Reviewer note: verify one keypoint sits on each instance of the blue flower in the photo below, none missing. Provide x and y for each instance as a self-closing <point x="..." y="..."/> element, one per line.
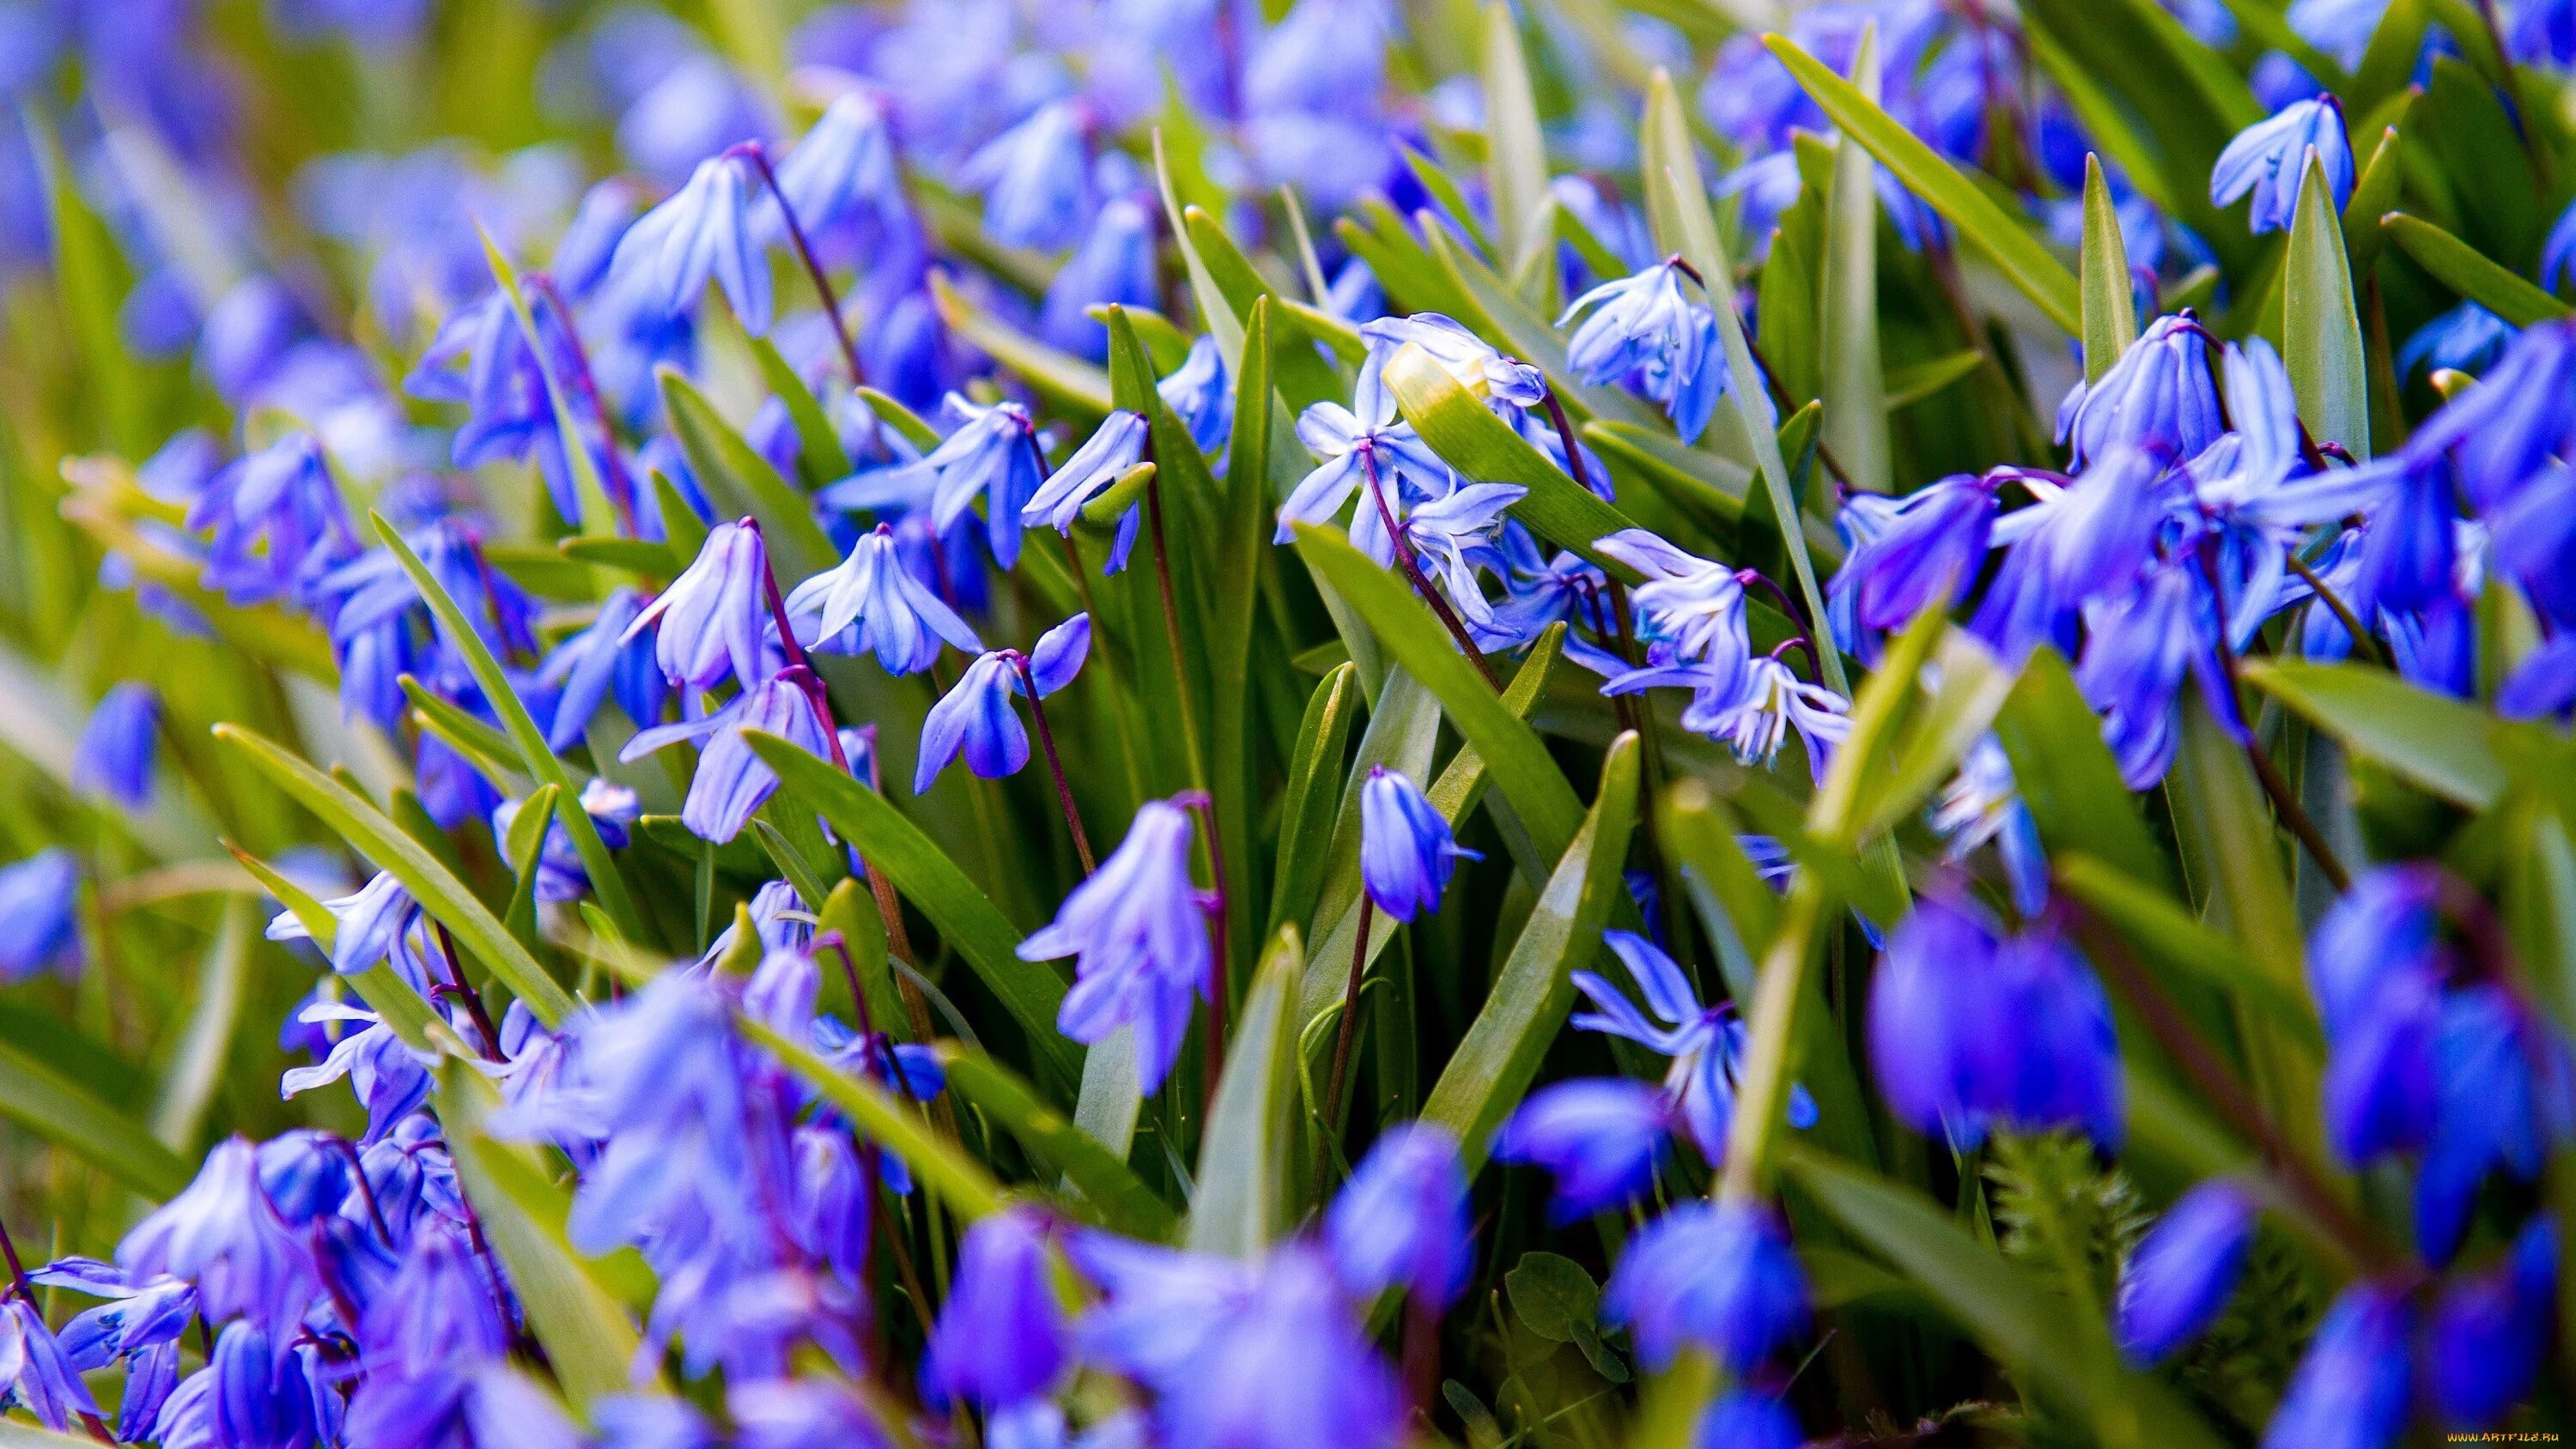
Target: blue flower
<point x="2184" y="1270"/>
<point x="992" y="455"/>
<point x="2488" y="1329"/>
<point x="390" y="1079"/>
<point x="1139" y="932"/>
<point x="1693" y="605"/>
<point x="258" y="1398"/>
<point x="436" y="1318"/>
<point x="707" y="624"/>
<point x="278" y="520"/>
<point x="114" y="756"/>
<point x="845" y="166"/>
<point x="1035" y="180"/>
<point x="600" y="662"/>
<point x="1645" y="330"/>
<point x="2503" y="1099"/>
<point x="2340" y="28"/>
<point x="1002" y="1338"/>
<point x="732" y="782"/>
<point x="223" y="1235"/>
<point x="977" y="715"/>
<point x="2543" y="685"/>
<point x="2270" y="159"/>
<point x="1600" y="1137"/>
<point x="1749" y="1419"/>
<point x="2375" y="965"/>
<point x="2508" y="430"/>
<point x="39" y="923"/>
<point x="1104" y="457"/>
<point x="1921" y="549"/>
<point x="1197" y="393"/>
<point x="2141" y="646"/>
<point x="1406" y="850"/>
<point x="1769" y="700"/>
<point x="802" y="1413"/>
<point x="1714" y="1275"/>
<point x="703" y="230"/>
<point x="871" y="602"/>
<point x="2160" y="397"/>
<point x="1706" y="1043"/>
<point x="2355" y="1387"/>
<point x="368" y="925"/>
<point x="1401" y="1219"/>
<point x="1113" y="267"/>
<point x="34" y="1371"/>
<point x="2466" y="339"/>
<point x="1969" y="1028"/>
<point x="1472" y="364"/>
<point x="1353" y="446"/>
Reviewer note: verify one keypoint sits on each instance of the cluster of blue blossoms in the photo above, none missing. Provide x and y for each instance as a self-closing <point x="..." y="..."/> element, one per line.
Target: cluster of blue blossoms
<point x="318" y="1289"/>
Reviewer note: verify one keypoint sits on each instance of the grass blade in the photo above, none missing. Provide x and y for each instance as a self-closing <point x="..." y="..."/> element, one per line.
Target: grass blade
<point x="2321" y="326"/>
<point x="1240" y="1202"/>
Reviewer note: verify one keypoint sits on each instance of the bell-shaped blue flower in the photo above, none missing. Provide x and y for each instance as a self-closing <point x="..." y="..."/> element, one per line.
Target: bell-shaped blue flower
<point x="2508" y="431"/>
<point x="599" y="663"/>
<point x="114" y="757"/>
<point x="2143" y="645"/>
<point x="844" y="166"/>
<point x="39" y="915"/>
<point x="1356" y="449"/>
<point x="2160" y="398"/>
<point x="732" y="781"/>
<point x="2355" y="1388"/>
<point x="1749" y="1419"/>
<point x="1104" y="457"/>
<point x="1600" y="1137"/>
<point x="1646" y="331"/>
<point x="2504" y="1096"/>
<point x="977" y="716"/>
<point x="1139" y="932"/>
<point x="34" y="1371"/>
<point x="2270" y="160"/>
<point x="1693" y="605"/>
<point x="707" y="625"/>
<point x="1719" y="1276"/>
<point x="1401" y="1219"/>
<point x="1035" y="180"/>
<point x="872" y="602"/>
<point x="259" y="1398"/>
<point x="704" y="230"/>
<point x="1407" y="852"/>
<point x="2467" y="338"/>
<point x="1468" y="359"/>
<point x="1923" y="548"/>
<point x="1198" y="393"/>
<point x="278" y="522"/>
<point x="222" y="1235"/>
<point x="2488" y="1329"/>
<point x="1706" y="1044"/>
<point x="1002" y="1338"/>
<point x="2184" y="1270"/>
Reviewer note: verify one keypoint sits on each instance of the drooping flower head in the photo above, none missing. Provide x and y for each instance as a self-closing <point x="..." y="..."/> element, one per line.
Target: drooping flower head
<point x="872" y="603"/>
<point x="1104" y="458"/>
<point x="707" y="625"/>
<point x="1719" y="1276"/>
<point x="39" y="919"/>
<point x="1002" y="1338"/>
<point x="1139" y="932"/>
<point x="2270" y="160"/>
<point x="114" y="756"/>
<point x="1406" y="850"/>
<point x="1401" y="1219"/>
<point x="2184" y="1270"/>
<point x="1645" y="330"/>
<point x="977" y="716"/>
<point x="704" y="230"/>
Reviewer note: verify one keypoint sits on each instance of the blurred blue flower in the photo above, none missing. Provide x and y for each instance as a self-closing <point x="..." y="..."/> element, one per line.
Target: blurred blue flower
<point x="1401" y="1219"/>
<point x="976" y="714"/>
<point x="2488" y="1329"/>
<point x="1600" y="1137"/>
<point x="845" y="167"/>
<point x="708" y="623"/>
<point x="1749" y="1419"/>
<point x="1719" y="1276"/>
<point x="1198" y="394"/>
<point x="597" y="663"/>
<point x="2270" y="160"/>
<point x="1921" y="549"/>
<point x="2375" y="967"/>
<point x="278" y="523"/>
<point x="1706" y="1043"/>
<point x="1114" y="266"/>
<point x="2507" y="432"/>
<point x="2142" y="644"/>
<point x="39" y="921"/>
<point x="2504" y="1098"/>
<point x="1646" y="331"/>
<point x="1969" y="1028"/>
<point x="704" y="230"/>
<point x="2467" y="338"/>
<point x="35" y="1374"/>
<point x="222" y="1235"/>
<point x="1138" y="928"/>
<point x="1002" y="1338"/>
<point x="1035" y="180"/>
<point x="2181" y="1274"/>
<point x="2355" y="1387"/>
<point x="1406" y="850"/>
<point x="803" y="1413"/>
<point x="2340" y="28"/>
<point x="871" y="602"/>
<point x="1104" y="457"/>
<point x="692" y="107"/>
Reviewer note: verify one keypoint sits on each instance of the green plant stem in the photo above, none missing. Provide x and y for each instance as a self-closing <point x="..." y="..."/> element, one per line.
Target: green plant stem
<point x="813" y="268"/>
<point x="1773" y="1027"/>
<point x="2361" y="638"/>
<point x="2285" y="801"/>
<point x="1344" y="1036"/>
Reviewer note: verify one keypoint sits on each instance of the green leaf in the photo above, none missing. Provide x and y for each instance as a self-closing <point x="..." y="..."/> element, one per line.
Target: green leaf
<point x="1922" y="381"/>
<point x="2458" y="266"/>
<point x="2321" y="327"/>
<point x="1064" y="380"/>
<point x="2170" y="937"/>
<point x="2383" y="175"/>
<point x="900" y="418"/>
<point x="1521" y="766"/>
<point x="598" y="517"/>
<point x="63" y="1112"/>
<point x="1678" y="204"/>
<point x="820" y="458"/>
<point x="1305" y="809"/>
<point x="393" y="998"/>
<point x="16" y="1434"/>
<point x="740" y="482"/>
<point x="1240" y="1200"/>
<point x="1855" y="391"/>
<point x="1124" y="1204"/>
<point x="588" y="1338"/>
<point x="1702" y="835"/>
<point x="1704" y="488"/>
<point x="1981" y="221"/>
<point x="523" y="849"/>
<point x="2068" y="778"/>
<point x="1515" y="154"/>
<point x="925" y="876"/>
<point x="1498" y="1058"/>
<point x="189" y="1083"/>
<point x="369" y="832"/>
<point x="893" y="1124"/>
<point x="1468" y="437"/>
<point x="2110" y="303"/>
<point x="2059" y="1355"/>
<point x="644" y="556"/>
<point x="2437" y="742"/>
<point x="1974" y="685"/>
<point x="1215" y="313"/>
<point x="539" y="757"/>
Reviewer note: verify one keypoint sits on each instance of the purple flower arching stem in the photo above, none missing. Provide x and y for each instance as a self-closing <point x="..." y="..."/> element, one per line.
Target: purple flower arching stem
<point x="1412" y="568"/>
<point x="2296" y="1177"/>
<point x="366" y="1189"/>
<point x="621" y="494"/>
<point x="1574" y="466"/>
<point x="455" y="986"/>
<point x="1220" y="971"/>
<point x="813" y="268"/>
<point x="1344" y="1037"/>
<point x="871" y="1163"/>
<point x="18" y="1282"/>
<point x="1798" y="616"/>
<point x="1055" y="765"/>
<point x="2362" y="639"/>
<point x="2285" y="801"/>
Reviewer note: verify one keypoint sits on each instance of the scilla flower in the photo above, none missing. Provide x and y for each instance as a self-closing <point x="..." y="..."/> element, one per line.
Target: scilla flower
<point x="1645" y="330"/>
<point x="883" y="608"/>
<point x="1600" y="1137"/>
<point x="1002" y="1338"/>
<point x="1034" y="179"/>
<point x="1406" y="850"/>
<point x="1139" y="932"/>
<point x="35" y="1373"/>
<point x="223" y="1235"/>
<point x="2356" y="1386"/>
<point x="1199" y="396"/>
<point x="2270" y="159"/>
<point x="39" y="928"/>
<point x="1767" y="704"/>
<point x="702" y="230"/>
<point x="1467" y="359"/>
<point x="2183" y="1271"/>
<point x="1718" y="1276"/>
<point x="2160" y="397"/>
<point x="1706" y="1043"/>
<point x="977" y="716"/>
<point x="1113" y="266"/>
<point x="844" y="166"/>
<point x="1401" y="1220"/>
<point x="992" y="457"/>
<point x="707" y="624"/>
<point x="731" y="781"/>
<point x="114" y="756"/>
<point x="1104" y="457"/>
